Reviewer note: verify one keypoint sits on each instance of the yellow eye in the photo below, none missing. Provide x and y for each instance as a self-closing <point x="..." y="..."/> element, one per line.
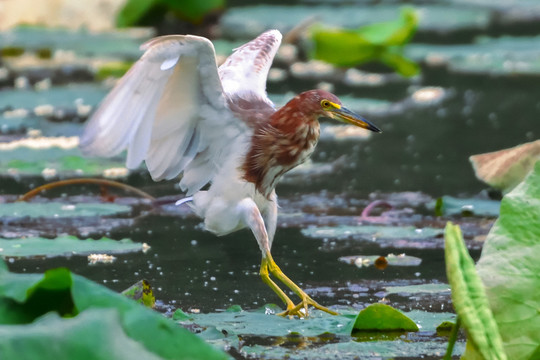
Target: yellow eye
<point x="326" y="104"/>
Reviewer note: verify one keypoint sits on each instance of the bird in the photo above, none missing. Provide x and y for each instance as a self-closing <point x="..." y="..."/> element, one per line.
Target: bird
<point x="216" y="130"/>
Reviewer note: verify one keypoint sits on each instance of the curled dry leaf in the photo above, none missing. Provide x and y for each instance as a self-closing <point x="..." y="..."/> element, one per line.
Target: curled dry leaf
<point x="505" y="169"/>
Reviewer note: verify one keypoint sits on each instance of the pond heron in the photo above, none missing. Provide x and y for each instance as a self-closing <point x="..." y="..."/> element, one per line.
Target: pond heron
<point x="181" y="114"/>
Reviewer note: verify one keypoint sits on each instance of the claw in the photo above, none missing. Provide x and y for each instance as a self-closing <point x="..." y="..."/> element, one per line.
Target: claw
<point x="301" y="309"/>
<point x="268" y="266"/>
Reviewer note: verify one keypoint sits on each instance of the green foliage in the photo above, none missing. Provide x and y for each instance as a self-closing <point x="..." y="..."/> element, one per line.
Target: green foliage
<point x="25" y="299"/>
<point x="133" y="11"/>
<point x="510" y="269"/>
<point x="382" y="317"/>
<point x="469" y="297"/>
<point x="95" y="334"/>
<point x="381" y="42"/>
<point x="84" y="320"/>
<point x="193" y="11"/>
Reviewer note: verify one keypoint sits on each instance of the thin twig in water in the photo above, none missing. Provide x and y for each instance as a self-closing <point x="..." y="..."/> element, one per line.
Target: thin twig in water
<point x="79" y="181"/>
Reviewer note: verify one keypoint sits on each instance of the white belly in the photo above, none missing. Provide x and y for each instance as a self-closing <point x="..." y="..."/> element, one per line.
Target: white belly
<point x="219" y="205"/>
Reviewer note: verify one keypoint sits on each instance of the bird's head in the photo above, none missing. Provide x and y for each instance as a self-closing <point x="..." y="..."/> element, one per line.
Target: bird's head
<point x="325" y="104"/>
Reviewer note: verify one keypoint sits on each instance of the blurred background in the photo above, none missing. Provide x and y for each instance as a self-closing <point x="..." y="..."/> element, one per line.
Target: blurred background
<point x="444" y="80"/>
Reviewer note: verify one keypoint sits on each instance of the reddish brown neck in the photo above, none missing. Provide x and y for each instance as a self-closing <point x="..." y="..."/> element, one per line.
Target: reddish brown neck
<point x="281" y="144"/>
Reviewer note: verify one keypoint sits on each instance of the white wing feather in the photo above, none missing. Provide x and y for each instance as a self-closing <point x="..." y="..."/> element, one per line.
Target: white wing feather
<point x="160" y="108"/>
<point x="170" y="111"/>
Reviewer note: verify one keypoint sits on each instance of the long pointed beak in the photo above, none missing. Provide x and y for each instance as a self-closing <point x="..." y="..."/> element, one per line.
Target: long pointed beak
<point x="346" y="115"/>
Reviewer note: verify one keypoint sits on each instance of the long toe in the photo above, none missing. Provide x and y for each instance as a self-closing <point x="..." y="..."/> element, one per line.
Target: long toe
<point x="301" y="309"/>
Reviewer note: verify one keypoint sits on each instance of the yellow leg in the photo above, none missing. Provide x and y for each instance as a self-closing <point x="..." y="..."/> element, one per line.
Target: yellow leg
<point x="253" y="219"/>
<point x="266" y="278"/>
<point x="272" y="268"/>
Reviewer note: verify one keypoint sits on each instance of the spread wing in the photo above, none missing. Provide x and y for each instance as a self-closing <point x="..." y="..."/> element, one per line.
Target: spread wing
<point x="244" y="73"/>
<point x="170" y="110"/>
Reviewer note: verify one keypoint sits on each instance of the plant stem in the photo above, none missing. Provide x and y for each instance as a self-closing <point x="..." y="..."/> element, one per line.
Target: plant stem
<point x="452" y="339"/>
<point x="102" y="182"/>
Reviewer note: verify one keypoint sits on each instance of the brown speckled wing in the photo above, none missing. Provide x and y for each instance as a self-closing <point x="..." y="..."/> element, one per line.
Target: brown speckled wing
<point x="244" y="73"/>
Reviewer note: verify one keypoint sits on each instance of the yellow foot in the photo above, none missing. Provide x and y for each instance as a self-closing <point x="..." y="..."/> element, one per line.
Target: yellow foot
<point x="268" y="266"/>
<point x="301" y="310"/>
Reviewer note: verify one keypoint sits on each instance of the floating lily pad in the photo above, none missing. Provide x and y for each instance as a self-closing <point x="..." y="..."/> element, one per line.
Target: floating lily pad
<point x="268" y="324"/>
<point x="391" y="260"/>
<point x="66" y="96"/>
<point x="320" y="335"/>
<point x="82" y="42"/>
<point x="49" y="158"/>
<point x="415" y="289"/>
<point x="382" y="317"/>
<point x="60" y="210"/>
<point x="65" y="246"/>
<point x="260" y="323"/>
<point x="504" y="56"/>
<point x="349" y="350"/>
<point x="249" y="21"/>
<point x="373" y="232"/>
<point x="509" y="56"/>
<point x="17" y="124"/>
<point x="179" y="315"/>
<point x="448" y="205"/>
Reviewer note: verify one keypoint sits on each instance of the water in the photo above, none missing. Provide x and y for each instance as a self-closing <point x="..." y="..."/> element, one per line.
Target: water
<point x="424" y="148"/>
